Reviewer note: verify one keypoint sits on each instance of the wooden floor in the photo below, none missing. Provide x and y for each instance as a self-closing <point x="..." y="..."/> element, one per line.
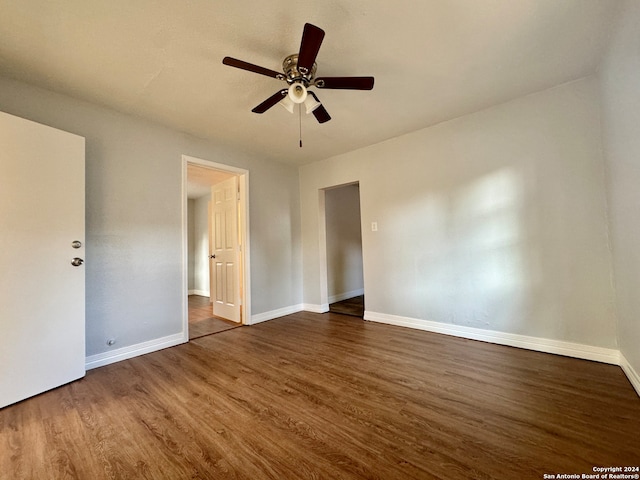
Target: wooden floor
<point x="313" y="396"/>
<point x="201" y="319"/>
<point x="351" y="306"/>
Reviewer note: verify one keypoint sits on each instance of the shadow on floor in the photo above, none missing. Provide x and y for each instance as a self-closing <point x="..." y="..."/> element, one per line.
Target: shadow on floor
<point x="351" y="306"/>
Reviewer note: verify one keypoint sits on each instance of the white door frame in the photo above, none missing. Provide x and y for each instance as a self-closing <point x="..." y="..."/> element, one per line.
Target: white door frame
<point x="243" y="182"/>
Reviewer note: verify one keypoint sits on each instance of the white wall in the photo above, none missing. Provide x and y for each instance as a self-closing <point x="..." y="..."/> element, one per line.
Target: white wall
<point x="621" y="124"/>
<point x="494" y="220"/>
<point x="344" y="242"/>
<point x="201" y="247"/>
<point x="134" y="217"/>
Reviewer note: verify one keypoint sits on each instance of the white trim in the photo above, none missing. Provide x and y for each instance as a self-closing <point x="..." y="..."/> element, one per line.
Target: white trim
<point x="243" y="179"/>
<point x="131" y="351"/>
<point x="311" y="307"/>
<point x="558" y="347"/>
<point x="345" y="296"/>
<point x="322" y="250"/>
<point x="202" y="293"/>
<point x="280" y="312"/>
<point x="631" y="374"/>
<point x="185" y="256"/>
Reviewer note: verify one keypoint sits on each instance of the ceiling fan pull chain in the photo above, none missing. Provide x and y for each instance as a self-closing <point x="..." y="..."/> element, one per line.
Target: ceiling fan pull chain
<point x="300" y="117"/>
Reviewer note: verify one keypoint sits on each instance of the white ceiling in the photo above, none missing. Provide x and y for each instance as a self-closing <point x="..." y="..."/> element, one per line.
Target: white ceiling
<point x="432" y="60"/>
<point x="201" y="179"/>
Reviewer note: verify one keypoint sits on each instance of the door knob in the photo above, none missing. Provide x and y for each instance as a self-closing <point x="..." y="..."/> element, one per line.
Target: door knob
<point x="212" y="256"/>
<point x="76" y="262"/>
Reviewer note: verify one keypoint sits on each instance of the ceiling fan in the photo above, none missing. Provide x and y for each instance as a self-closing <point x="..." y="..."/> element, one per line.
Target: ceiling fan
<point x="299" y="71"/>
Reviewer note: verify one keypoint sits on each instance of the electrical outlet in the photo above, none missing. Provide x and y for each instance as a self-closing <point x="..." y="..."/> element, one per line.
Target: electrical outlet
<point x="374" y="226"/>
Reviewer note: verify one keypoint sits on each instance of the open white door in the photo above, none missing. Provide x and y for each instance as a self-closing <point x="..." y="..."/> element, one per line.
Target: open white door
<point x="225" y="250"/>
<point x="42" y="294"/>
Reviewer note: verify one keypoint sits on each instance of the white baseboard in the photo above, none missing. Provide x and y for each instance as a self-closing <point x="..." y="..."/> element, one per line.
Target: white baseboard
<point x="345" y="296"/>
<point x="131" y="351"/>
<point x="558" y="347"/>
<point x="280" y="312"/>
<point x="631" y="374"/>
<point x="310" y="307"/>
<point x="202" y="293"/>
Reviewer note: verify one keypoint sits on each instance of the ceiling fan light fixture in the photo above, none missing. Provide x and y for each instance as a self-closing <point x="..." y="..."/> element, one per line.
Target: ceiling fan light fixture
<point x="311" y="104"/>
<point x="287" y="103"/>
<point x="297" y="92"/>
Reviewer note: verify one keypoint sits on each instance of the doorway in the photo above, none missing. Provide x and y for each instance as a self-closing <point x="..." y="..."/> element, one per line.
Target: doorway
<point x="345" y="278"/>
<point x="200" y="181"/>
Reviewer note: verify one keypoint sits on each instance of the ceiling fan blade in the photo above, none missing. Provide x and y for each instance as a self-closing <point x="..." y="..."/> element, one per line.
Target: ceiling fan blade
<point x="309" y="46"/>
<point x="320" y="112"/>
<point x="270" y="102"/>
<point x="348" y="83"/>
<point x="234" y="62"/>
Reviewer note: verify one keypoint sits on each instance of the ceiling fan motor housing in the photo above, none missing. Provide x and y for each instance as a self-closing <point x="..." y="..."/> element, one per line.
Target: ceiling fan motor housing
<point x="294" y="74"/>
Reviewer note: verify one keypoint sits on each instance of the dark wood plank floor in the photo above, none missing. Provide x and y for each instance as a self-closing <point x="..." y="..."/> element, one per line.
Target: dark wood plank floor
<point x="312" y="396"/>
<point x="201" y="319"/>
<point x="351" y="306"/>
